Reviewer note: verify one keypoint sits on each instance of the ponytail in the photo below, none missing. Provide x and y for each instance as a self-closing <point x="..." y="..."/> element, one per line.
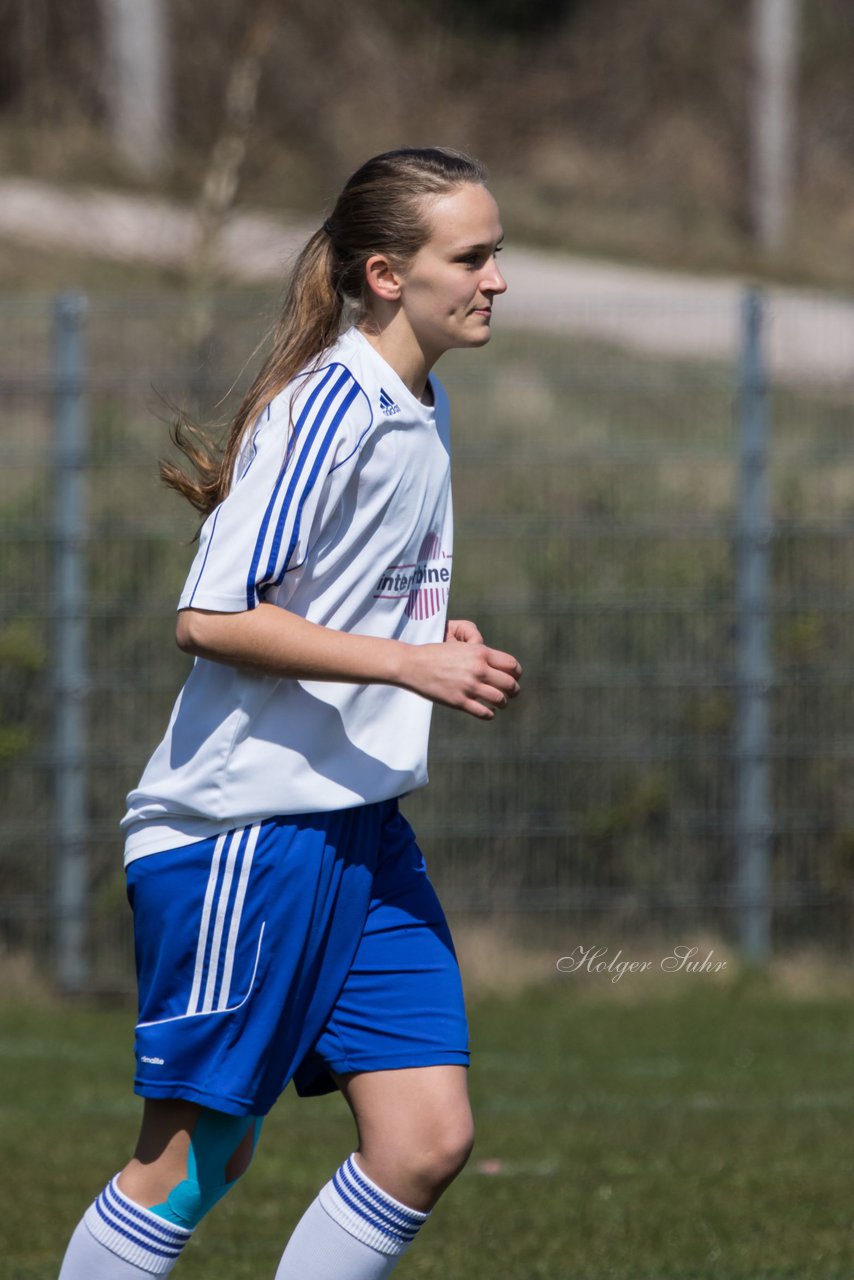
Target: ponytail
<point x="307" y="326"/>
<point x="382" y="209"/>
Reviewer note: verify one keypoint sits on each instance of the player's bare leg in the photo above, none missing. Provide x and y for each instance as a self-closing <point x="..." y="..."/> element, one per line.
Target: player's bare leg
<point x="415" y="1135"/>
<point x="159" y="1162"/>
<point x="186" y="1159"/>
<point x="415" y="1129"/>
<point x="160" y="1159"/>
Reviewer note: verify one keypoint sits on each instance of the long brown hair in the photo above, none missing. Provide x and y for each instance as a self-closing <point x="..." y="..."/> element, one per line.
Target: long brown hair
<point x="380" y="210"/>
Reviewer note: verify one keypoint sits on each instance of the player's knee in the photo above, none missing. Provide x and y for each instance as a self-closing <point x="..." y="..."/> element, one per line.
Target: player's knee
<point x="456" y="1149"/>
<point x="221" y="1151"/>
<point x="445" y="1153"/>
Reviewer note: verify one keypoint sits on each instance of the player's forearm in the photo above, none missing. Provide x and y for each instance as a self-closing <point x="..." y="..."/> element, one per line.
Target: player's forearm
<point x="273" y="641"/>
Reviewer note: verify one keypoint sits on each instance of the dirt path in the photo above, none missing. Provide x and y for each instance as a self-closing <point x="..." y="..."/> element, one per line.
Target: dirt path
<point x="810" y="336"/>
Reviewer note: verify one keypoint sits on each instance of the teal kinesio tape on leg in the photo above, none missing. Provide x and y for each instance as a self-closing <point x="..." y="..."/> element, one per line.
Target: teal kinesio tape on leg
<point x="216" y="1138"/>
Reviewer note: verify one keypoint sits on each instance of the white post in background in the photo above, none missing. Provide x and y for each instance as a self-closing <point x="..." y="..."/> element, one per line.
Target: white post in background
<point x="754" y="817"/>
<point x="773" y="112"/>
<point x="138" y="82"/>
<point x="70" y="687"/>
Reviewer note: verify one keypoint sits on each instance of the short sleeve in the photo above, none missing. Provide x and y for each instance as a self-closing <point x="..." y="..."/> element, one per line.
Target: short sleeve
<point x="262" y="527"/>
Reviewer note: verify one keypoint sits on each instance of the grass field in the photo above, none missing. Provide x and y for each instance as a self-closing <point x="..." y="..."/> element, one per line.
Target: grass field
<point x="701" y="1132"/>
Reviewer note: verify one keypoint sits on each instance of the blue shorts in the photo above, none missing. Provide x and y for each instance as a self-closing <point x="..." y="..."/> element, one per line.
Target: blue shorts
<point x="290" y="949"/>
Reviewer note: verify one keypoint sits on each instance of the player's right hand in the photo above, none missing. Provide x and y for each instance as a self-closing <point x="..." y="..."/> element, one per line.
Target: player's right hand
<point x="468" y="677"/>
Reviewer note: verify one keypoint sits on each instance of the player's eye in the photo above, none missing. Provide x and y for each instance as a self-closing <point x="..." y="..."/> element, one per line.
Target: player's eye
<point x="478" y="259"/>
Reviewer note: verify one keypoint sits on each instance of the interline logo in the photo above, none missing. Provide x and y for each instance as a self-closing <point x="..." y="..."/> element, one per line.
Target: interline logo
<point x="422" y="583"/>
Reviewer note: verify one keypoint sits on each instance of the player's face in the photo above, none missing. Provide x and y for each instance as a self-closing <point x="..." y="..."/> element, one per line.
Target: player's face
<point x="448" y="289"/>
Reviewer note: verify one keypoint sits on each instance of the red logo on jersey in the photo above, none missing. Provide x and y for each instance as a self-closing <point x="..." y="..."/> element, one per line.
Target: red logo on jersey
<point x="423" y="584"/>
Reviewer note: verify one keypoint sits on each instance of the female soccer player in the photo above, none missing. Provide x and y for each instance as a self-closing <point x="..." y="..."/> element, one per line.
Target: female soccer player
<point x="285" y="926"/>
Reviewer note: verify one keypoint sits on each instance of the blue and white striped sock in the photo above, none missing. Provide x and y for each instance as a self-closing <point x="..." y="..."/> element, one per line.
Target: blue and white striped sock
<point x="367" y="1212"/>
<point x="116" y="1226"/>
<point x="353" y="1231"/>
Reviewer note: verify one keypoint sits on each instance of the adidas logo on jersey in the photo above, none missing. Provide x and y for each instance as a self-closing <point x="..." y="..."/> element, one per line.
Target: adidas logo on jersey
<point x="387" y="405"/>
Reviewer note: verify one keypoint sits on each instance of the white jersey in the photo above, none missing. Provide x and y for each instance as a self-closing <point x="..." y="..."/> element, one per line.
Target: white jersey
<point x="340" y="512"/>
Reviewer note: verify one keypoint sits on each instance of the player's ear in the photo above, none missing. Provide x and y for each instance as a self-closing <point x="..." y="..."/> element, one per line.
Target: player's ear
<point x="382" y="278"/>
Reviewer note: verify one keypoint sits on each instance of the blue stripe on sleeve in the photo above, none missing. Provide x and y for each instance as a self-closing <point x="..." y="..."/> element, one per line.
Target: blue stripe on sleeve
<point x="271" y="505"/>
<point x="287" y="505"/>
<point x="315" y="470"/>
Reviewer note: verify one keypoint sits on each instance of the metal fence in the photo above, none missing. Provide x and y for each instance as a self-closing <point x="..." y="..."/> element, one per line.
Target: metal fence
<point x="662" y="536"/>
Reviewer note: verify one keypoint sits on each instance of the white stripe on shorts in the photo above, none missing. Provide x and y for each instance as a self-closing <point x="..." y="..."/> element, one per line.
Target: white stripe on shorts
<point x="236" y="913"/>
<point x="219" y="924"/>
<point x="193" y="1004"/>
<point x="215" y="912"/>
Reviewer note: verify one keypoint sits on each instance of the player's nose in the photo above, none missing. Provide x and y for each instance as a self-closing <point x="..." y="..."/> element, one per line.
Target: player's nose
<point x="494" y="282"/>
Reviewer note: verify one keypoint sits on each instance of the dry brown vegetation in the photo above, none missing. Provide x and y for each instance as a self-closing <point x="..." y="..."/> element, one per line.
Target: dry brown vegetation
<point x="611" y="126"/>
